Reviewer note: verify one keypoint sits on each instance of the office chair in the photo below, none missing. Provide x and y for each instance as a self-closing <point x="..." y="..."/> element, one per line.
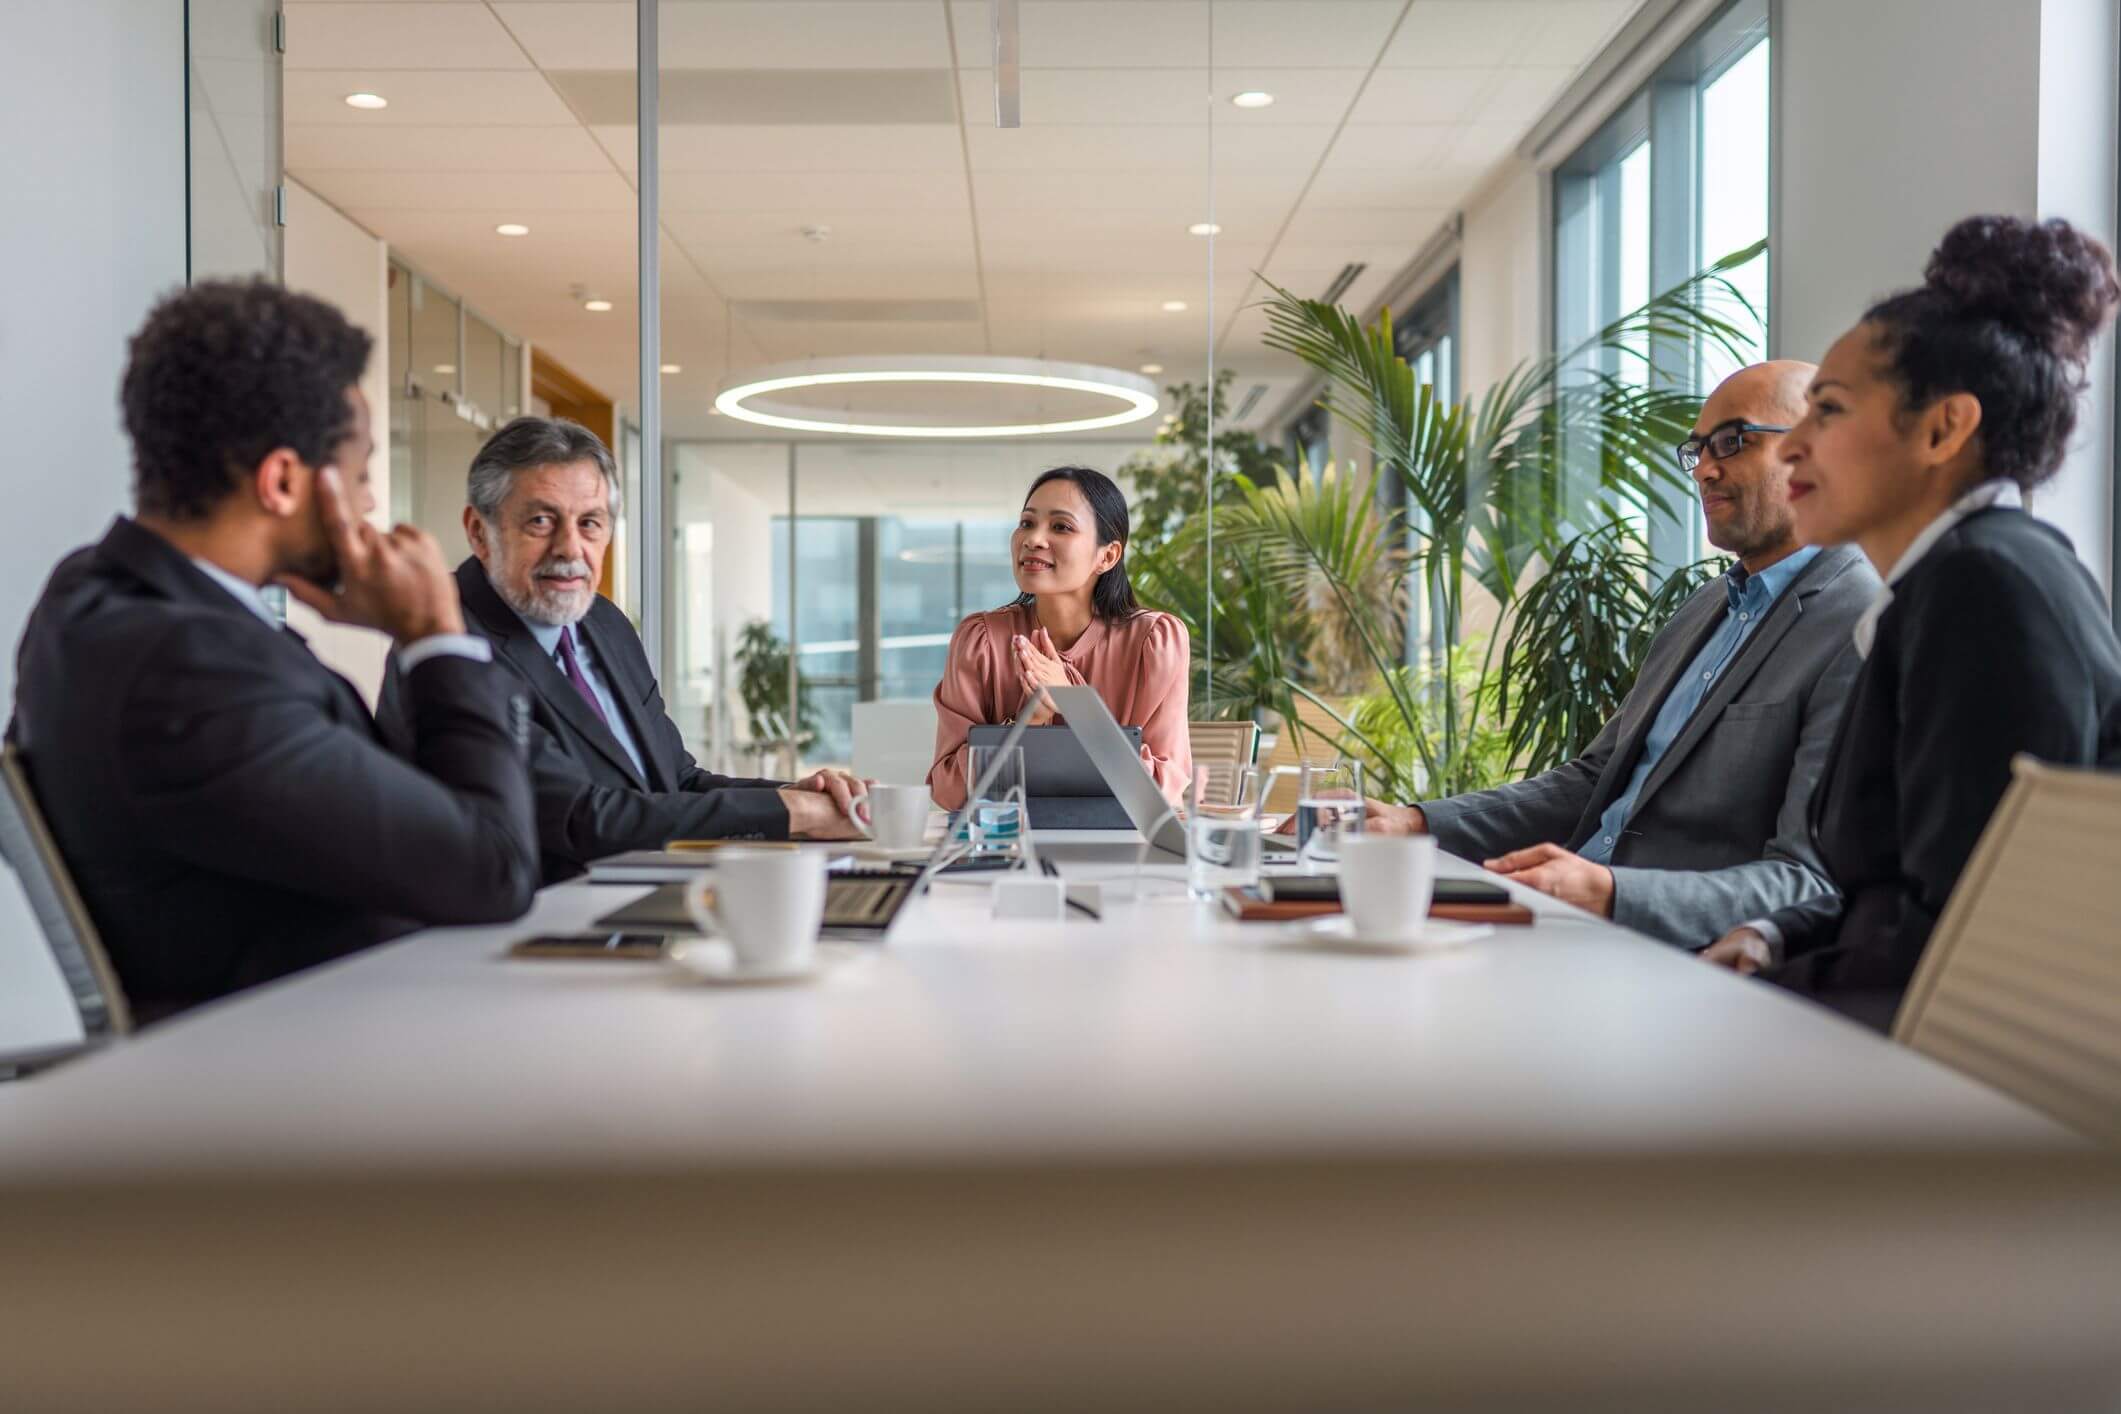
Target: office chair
<point x="29" y="849"/>
<point x="1225" y="748"/>
<point x="2020" y="986"/>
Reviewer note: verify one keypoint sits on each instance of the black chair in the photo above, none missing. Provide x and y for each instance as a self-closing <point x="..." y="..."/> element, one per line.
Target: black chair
<point x="69" y="935"/>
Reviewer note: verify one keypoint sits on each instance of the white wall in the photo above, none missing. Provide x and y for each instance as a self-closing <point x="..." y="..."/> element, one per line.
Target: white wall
<point x="93" y="171"/>
<point x="1894" y="119"/>
<point x="331" y="257"/>
<point x="2080" y="94"/>
<point x="1503" y="277"/>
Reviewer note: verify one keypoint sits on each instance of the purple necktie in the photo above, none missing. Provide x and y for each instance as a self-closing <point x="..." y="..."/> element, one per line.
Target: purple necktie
<point x="573" y="668"/>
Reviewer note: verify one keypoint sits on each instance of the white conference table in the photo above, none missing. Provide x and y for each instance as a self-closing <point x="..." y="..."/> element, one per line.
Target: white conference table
<point x="1018" y="1162"/>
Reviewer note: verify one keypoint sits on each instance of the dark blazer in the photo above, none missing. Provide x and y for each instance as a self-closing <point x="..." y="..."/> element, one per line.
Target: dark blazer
<point x="223" y="799"/>
<point x="591" y="801"/>
<point x="1996" y="642"/>
<point x="1718" y="831"/>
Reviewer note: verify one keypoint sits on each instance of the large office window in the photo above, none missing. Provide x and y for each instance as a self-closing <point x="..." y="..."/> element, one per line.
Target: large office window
<point x="1675" y="181"/>
<point x="1426" y="336"/>
<point x="876" y="599"/>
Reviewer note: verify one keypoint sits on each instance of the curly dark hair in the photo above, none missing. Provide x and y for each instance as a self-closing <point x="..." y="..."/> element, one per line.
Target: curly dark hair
<point x="2007" y="312"/>
<point x="224" y="373"/>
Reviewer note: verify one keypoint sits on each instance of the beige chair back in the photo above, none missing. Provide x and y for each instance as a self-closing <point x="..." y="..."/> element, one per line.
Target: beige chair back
<point x="28" y="847"/>
<point x="1313" y="735"/>
<point x="1224" y="748"/>
<point x="2021" y="983"/>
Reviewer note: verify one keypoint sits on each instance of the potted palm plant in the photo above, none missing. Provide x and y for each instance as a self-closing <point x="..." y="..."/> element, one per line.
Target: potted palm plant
<point x="1530" y="496"/>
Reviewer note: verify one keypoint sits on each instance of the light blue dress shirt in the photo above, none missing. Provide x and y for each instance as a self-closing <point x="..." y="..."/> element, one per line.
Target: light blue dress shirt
<point x="548" y="637"/>
<point x="1750" y="597"/>
<point x="457" y="645"/>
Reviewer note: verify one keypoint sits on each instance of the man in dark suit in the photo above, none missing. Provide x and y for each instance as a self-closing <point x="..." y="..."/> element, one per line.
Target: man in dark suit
<point x="222" y="799"/>
<point x="1687" y="813"/>
<point x="611" y="769"/>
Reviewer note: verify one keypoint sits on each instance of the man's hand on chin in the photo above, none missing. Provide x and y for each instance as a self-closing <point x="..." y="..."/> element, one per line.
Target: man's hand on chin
<point x="1559" y="874"/>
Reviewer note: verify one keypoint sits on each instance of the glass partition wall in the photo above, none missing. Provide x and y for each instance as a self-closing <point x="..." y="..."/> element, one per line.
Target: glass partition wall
<point x="901" y="256"/>
<point x="860" y="198"/>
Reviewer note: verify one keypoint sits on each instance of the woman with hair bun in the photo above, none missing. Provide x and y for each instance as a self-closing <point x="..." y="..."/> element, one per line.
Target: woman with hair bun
<point x="1075" y="621"/>
<point x="1924" y="428"/>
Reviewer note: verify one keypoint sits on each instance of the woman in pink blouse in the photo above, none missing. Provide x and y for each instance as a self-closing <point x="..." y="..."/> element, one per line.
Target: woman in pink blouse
<point x="1075" y="622"/>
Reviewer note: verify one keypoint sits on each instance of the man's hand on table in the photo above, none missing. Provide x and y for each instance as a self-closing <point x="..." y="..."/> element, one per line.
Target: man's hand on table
<point x="1742" y="950"/>
<point x="827" y="805"/>
<point x="1559" y="874"/>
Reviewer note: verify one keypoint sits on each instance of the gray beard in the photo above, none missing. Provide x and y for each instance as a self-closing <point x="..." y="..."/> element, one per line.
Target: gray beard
<point x="554" y="610"/>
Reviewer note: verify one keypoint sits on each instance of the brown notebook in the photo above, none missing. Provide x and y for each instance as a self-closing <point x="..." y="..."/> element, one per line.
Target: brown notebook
<point x="1248" y="907"/>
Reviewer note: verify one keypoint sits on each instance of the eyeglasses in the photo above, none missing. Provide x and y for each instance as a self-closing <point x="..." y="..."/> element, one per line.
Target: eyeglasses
<point x="1724" y="441"/>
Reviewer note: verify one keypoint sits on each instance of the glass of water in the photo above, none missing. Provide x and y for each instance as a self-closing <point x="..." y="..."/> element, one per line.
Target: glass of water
<point x="1328" y="805"/>
<point x="997" y="821"/>
<point x="1222" y="833"/>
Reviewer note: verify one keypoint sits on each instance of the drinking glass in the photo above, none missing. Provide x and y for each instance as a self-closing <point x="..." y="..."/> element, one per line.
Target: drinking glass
<point x="997" y="820"/>
<point x="1222" y="837"/>
<point x="1328" y="805"/>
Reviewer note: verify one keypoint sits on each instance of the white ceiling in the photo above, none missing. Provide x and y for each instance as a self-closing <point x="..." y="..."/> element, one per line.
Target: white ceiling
<point x="1066" y="234"/>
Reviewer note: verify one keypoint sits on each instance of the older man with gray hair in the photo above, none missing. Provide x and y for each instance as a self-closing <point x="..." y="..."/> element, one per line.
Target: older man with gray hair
<point x="611" y="771"/>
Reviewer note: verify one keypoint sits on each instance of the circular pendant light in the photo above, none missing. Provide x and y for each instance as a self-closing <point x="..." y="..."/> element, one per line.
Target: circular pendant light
<point x="748" y="395"/>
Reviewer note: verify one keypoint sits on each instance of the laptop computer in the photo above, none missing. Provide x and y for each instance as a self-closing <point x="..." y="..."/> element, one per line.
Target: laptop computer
<point x="1119" y="761"/>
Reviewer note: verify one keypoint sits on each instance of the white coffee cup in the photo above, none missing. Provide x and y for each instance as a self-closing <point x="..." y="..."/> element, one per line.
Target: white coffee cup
<point x="1386" y="883"/>
<point x="898" y="816"/>
<point x="766" y="904"/>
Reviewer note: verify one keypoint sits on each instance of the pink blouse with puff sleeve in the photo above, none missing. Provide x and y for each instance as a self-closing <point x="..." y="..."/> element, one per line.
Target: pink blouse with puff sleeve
<point x="1139" y="666"/>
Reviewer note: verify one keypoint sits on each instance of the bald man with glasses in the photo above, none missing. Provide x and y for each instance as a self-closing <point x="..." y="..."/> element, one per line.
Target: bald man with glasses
<point x="1687" y="814"/>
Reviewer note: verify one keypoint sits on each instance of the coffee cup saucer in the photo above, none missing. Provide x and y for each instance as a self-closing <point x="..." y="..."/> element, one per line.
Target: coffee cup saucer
<point x="1336" y="933"/>
<point x="714" y="962"/>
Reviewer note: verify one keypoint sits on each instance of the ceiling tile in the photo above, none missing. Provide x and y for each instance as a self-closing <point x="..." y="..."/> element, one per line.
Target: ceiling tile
<point x="1364" y="225"/>
<point x="1107" y="148"/>
<point x="1569" y="34"/>
<point x="1301" y="96"/>
<point x="808" y="148"/>
<point x="1318" y="34"/>
<point x="1450" y="34"/>
<point x="453" y="149"/>
<point x="1438" y="185"/>
<point x="738" y="34"/>
<point x="1092" y="34"/>
<point x="1401" y="148"/>
<point x="398" y="36"/>
<point x="798" y="191"/>
<point x="1095" y="96"/>
<point x="1427" y="95"/>
<point x="1522" y="95"/>
<point x="431" y="97"/>
<point x="845" y="226"/>
<point x="602" y="191"/>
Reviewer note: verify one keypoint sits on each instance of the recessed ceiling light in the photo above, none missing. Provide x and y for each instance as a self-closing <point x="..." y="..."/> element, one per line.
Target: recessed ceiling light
<point x="366" y="100"/>
<point x="1174" y="306"/>
<point x="1204" y="228"/>
<point x="445" y="368"/>
<point x="597" y="306"/>
<point x="1253" y="98"/>
<point x="672" y="368"/>
<point x="511" y="228"/>
<point x="1152" y="368"/>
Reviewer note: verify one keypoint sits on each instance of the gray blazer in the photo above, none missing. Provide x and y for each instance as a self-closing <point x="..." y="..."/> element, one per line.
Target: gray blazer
<point x="1719" y="832"/>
